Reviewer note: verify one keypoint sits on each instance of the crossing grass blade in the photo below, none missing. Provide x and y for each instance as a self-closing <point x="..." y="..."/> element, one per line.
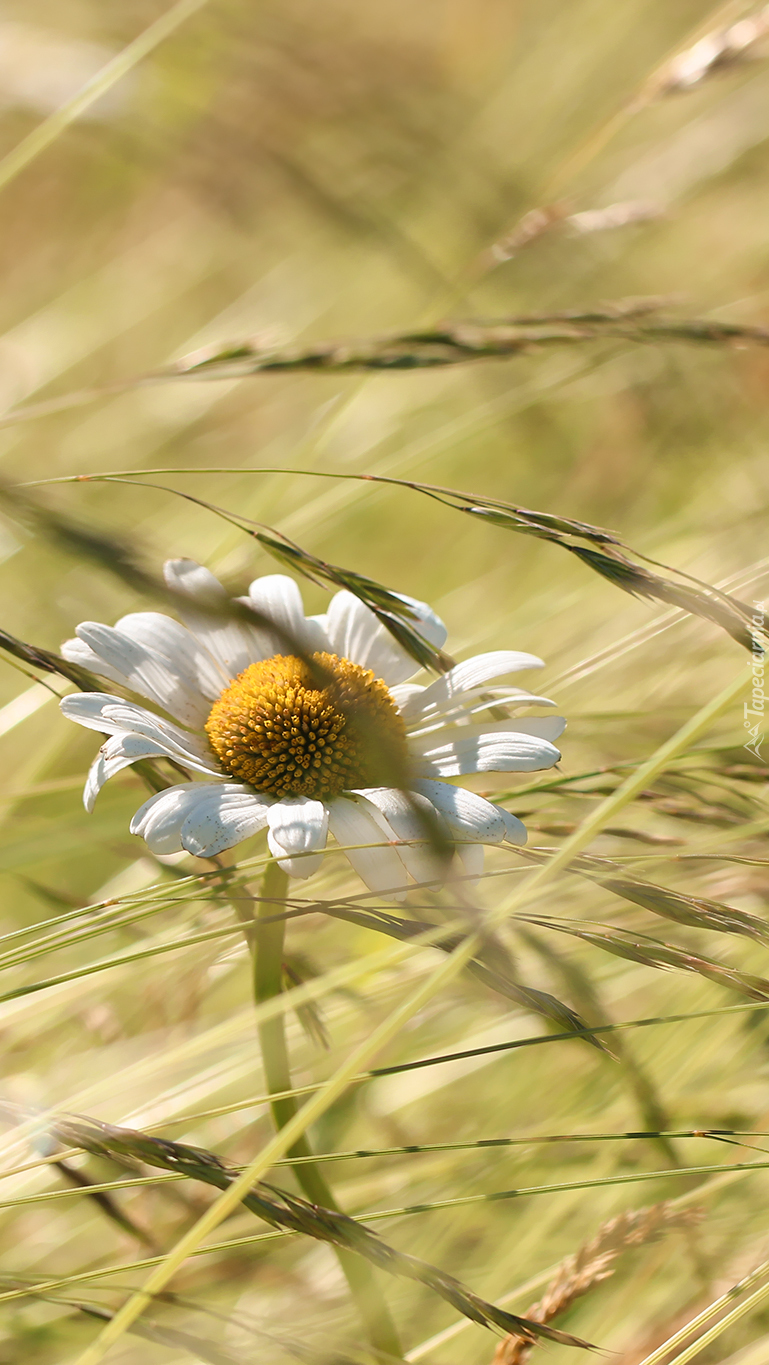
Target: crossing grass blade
<point x="283" y="1210"/>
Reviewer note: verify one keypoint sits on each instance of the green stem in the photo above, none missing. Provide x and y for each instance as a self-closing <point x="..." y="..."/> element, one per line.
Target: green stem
<point x="268" y="982"/>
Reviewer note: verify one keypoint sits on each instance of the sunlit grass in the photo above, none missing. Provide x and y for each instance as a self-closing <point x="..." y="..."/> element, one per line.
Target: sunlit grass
<point x="298" y="177"/>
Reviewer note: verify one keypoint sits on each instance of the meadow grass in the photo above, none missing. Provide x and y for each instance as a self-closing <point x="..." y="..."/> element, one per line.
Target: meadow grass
<point x="265" y="182"/>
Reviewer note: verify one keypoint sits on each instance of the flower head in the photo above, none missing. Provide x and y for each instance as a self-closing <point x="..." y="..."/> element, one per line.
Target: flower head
<point x="331" y="738"/>
<point x="291" y="734"/>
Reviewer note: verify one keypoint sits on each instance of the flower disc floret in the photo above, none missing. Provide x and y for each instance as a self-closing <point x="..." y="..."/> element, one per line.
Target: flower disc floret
<point x="313" y="728"/>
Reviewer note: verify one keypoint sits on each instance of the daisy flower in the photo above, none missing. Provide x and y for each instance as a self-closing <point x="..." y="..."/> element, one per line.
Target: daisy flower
<point x="267" y="746"/>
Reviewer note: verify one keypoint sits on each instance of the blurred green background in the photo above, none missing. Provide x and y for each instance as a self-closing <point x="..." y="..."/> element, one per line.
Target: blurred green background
<point x="295" y="172"/>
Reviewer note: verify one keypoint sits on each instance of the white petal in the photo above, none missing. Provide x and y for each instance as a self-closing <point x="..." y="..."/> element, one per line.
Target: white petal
<point x="111" y="715"/>
<point x="279" y="598"/>
<point x="88" y="709"/>
<point x="396" y="815"/>
<point x="428" y="623"/>
<point x="198" y="685"/>
<point x="515" y="830"/>
<point x="404" y="694"/>
<point x="351" y="822"/>
<point x="203" y="817"/>
<point x="469" y="674"/>
<point x="351" y="628"/>
<point x="471" y="817"/>
<point x="518" y="696"/>
<point x="355" y="633"/>
<point x="79" y="653"/>
<point x="146" y="671"/>
<point x="194" y="580"/>
<point x="500" y="753"/>
<point x="297" y="825"/>
<point x="159" y="820"/>
<point x="318" y="629"/>
<point x="468" y="816"/>
<point x="179" y="646"/>
<point x="118" y="753"/>
<point x="223" y="819"/>
<point x="233" y="644"/>
<point x="469" y="703"/>
<point x="541" y="727"/>
<point x="472" y="857"/>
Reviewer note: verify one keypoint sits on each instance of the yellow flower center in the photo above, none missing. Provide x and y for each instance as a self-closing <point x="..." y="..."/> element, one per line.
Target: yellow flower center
<point x="291" y="730"/>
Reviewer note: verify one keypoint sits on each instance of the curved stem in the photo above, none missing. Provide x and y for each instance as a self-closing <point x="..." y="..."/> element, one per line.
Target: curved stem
<point x="268" y="982"/>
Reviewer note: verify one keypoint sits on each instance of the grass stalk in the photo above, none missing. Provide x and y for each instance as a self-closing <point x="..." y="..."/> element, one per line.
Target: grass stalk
<point x="389" y="1027"/>
<point x="41" y="137"/>
<point x="713" y="1309"/>
<point x="269" y="934"/>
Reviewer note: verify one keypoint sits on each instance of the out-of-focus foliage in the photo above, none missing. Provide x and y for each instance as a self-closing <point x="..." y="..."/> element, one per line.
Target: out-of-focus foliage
<point x="292" y="173"/>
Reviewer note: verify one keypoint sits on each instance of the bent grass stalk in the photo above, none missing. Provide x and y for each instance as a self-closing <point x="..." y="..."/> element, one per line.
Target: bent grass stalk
<point x="390" y="1026"/>
<point x="601" y="550"/>
<point x="728" y="1176"/>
